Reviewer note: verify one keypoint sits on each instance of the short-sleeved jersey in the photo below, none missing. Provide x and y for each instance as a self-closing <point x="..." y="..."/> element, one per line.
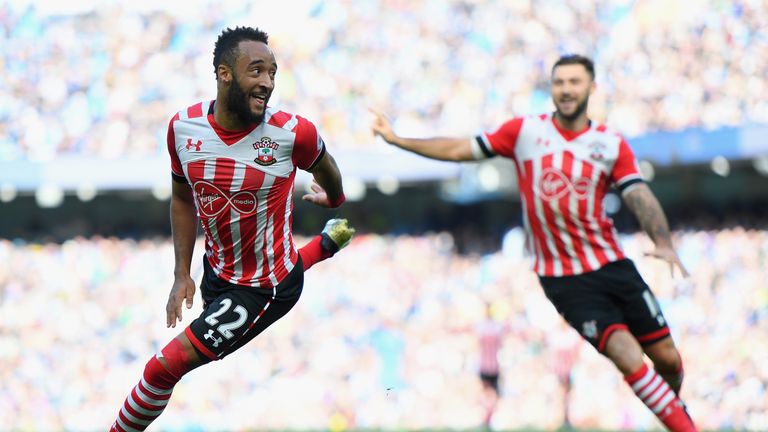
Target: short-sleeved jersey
<point x="243" y="188"/>
<point x="489" y="335"/>
<point x="563" y="177"/>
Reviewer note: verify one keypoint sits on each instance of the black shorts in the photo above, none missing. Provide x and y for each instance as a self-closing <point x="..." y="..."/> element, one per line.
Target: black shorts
<point x="611" y="298"/>
<point x="491" y="380"/>
<point x="234" y="314"/>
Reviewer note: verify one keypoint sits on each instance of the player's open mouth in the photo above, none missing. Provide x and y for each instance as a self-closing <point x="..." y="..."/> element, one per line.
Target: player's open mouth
<point x="259" y="99"/>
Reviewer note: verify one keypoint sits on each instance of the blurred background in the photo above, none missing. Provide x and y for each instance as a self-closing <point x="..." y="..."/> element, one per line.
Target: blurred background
<point x="384" y="334"/>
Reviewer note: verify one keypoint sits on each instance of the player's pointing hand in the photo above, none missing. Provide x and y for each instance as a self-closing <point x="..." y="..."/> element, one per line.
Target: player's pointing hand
<point x="381" y="126"/>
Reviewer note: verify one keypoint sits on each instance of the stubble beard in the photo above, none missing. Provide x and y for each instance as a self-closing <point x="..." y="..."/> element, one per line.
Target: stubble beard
<point x="237" y="104"/>
<point x="580" y="109"/>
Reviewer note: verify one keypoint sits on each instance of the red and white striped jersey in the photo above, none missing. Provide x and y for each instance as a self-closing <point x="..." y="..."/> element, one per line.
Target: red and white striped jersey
<point x="243" y="188"/>
<point x="489" y="336"/>
<point x="563" y="177"/>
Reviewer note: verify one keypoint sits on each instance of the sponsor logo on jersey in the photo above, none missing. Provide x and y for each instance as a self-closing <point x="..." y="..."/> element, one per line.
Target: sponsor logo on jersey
<point x="266" y="151"/>
<point x="212" y="201"/>
<point x="554" y="184"/>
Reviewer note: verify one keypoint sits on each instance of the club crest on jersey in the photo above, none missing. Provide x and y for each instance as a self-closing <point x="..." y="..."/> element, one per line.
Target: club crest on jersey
<point x="597" y="151"/>
<point x="589" y="329"/>
<point x="266" y="151"/>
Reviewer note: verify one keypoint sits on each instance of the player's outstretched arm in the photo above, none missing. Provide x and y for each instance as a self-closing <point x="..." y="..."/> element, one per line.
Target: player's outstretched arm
<point x="184" y="232"/>
<point x="647" y="209"/>
<point x="441" y="148"/>
<point x="327" y="190"/>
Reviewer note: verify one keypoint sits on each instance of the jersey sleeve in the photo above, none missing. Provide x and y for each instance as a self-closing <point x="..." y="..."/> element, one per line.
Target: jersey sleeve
<point x="501" y="142"/>
<point x="177" y="173"/>
<point x="309" y="147"/>
<point x="625" y="172"/>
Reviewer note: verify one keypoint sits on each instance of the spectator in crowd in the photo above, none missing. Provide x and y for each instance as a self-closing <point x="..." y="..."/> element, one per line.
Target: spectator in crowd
<point x="96" y="82"/>
<point x="324" y="357"/>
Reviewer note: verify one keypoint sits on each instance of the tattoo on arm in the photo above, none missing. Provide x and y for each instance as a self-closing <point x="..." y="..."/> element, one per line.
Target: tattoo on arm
<point x="647" y="209"/>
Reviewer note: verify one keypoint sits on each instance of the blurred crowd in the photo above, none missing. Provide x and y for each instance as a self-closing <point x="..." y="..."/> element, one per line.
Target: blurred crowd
<point x="380" y="339"/>
<point x="105" y="78"/>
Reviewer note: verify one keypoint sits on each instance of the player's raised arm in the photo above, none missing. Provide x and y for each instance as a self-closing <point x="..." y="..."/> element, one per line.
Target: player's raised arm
<point x="184" y="232"/>
<point x="441" y="148"/>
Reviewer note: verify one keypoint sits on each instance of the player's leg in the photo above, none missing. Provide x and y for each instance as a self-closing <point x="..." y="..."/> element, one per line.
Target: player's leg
<point x="228" y="313"/>
<point x="150" y="396"/>
<point x="648" y="324"/>
<point x="224" y="326"/>
<point x="592" y="314"/>
<point x="626" y="353"/>
<point x="589" y="304"/>
<point x="567" y="383"/>
<point x="335" y="236"/>
<point x="279" y="302"/>
<point x="649" y="333"/>
<point x="490" y="382"/>
<point x="667" y="362"/>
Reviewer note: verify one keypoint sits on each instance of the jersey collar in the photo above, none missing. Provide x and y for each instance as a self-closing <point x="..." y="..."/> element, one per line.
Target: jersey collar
<point x="570" y="135"/>
<point x="228" y="137"/>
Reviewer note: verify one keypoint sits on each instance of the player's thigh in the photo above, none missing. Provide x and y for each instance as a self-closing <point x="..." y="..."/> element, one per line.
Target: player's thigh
<point x="286" y="295"/>
<point x="490" y="380"/>
<point x="225" y="320"/>
<point x="640" y="307"/>
<point x="584" y="305"/>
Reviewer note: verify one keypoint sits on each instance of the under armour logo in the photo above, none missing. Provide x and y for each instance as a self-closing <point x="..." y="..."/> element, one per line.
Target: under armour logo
<point x="216" y="341"/>
<point x="196" y="146"/>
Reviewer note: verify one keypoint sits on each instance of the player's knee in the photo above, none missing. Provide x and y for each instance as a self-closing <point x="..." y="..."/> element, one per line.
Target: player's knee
<point x="665" y="356"/>
<point x="179" y="357"/>
<point x="668" y="361"/>
<point x="624" y="351"/>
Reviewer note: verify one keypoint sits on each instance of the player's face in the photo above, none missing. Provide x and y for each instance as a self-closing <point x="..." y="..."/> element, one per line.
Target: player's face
<point x="253" y="81"/>
<point x="571" y="87"/>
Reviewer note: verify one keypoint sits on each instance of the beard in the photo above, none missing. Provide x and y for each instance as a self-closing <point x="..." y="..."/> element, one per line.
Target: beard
<point x="237" y="104"/>
<point x="580" y="109"/>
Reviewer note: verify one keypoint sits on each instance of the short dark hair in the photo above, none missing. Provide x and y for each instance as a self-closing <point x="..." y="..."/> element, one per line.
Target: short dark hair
<point x="570" y="59"/>
<point x="226" y="51"/>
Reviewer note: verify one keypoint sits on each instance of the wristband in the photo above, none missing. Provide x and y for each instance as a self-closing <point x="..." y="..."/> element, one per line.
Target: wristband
<point x="338" y="201"/>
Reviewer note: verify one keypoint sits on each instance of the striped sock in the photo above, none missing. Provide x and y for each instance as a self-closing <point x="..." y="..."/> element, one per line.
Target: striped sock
<point x="147" y="400"/>
<point x="314" y="252"/>
<point x="659" y="397"/>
